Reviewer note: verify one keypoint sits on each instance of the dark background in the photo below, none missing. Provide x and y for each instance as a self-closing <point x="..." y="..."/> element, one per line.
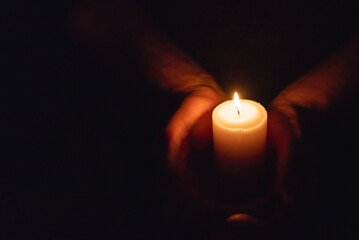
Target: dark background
<point x="83" y="143"/>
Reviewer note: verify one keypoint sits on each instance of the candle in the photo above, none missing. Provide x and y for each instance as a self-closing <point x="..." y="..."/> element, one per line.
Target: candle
<point x="239" y="141"/>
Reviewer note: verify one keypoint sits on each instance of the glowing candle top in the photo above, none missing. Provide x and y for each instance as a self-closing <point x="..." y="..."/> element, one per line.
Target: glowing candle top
<point x="239" y="114"/>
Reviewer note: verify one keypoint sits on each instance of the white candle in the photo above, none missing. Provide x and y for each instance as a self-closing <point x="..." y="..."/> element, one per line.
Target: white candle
<point x="239" y="141"/>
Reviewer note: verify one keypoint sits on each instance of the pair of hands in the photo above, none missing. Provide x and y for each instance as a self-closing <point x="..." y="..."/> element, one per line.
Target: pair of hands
<point x="190" y="158"/>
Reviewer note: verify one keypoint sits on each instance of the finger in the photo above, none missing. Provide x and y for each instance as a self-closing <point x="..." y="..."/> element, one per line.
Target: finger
<point x="245" y="226"/>
<point x="282" y="140"/>
<point x="180" y="126"/>
<point x="242" y="220"/>
<point x="201" y="132"/>
<point x="177" y="139"/>
<point x="224" y="208"/>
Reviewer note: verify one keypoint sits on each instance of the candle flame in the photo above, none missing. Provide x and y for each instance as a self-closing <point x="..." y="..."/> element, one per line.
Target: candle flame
<point x="237" y="103"/>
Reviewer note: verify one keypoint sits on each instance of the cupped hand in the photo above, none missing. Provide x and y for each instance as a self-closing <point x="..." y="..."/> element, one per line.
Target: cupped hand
<point x="195" y="191"/>
<point x="190" y="157"/>
<point x="283" y="137"/>
<point x="190" y="128"/>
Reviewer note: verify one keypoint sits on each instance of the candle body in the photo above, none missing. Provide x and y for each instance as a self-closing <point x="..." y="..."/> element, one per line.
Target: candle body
<point x="239" y="142"/>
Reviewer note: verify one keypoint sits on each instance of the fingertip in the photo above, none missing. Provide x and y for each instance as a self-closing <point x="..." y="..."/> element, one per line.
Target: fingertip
<point x="176" y="134"/>
<point x="244" y="226"/>
<point x="241" y="219"/>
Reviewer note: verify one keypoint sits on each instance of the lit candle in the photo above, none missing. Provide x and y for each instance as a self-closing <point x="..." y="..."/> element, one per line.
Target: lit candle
<point x="239" y="141"/>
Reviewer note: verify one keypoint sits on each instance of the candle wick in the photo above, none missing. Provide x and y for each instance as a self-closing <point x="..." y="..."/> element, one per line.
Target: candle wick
<point x="238" y="111"/>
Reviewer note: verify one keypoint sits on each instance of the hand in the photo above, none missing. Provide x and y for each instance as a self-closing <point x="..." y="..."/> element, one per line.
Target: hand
<point x="192" y="123"/>
<point x="190" y="158"/>
<point x="189" y="136"/>
<point x="195" y="194"/>
<point x="283" y="136"/>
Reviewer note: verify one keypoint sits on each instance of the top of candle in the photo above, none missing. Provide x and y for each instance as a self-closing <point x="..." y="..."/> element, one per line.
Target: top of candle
<point x="252" y="115"/>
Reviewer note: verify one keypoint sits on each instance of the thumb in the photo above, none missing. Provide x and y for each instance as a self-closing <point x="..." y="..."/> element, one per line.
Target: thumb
<point x="193" y="109"/>
<point x="245" y="226"/>
<point x="242" y="220"/>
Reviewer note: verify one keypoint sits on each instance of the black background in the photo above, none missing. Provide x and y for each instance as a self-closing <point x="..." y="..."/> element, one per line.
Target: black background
<point x="83" y="143"/>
